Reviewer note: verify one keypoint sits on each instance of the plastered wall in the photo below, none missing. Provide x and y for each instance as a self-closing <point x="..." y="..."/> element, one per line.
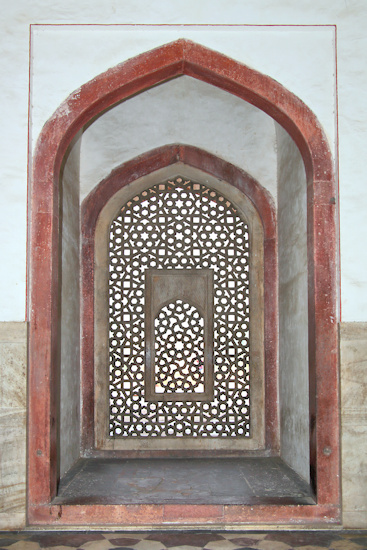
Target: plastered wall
<point x="293" y="305"/>
<point x="183" y="110"/>
<point x="69" y="349"/>
<point x="299" y="53"/>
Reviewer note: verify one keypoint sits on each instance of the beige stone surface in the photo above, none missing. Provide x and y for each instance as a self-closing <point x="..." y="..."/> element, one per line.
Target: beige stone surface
<point x="13" y="368"/>
<point x="273" y="545"/>
<point x="354" y="518"/>
<point x="353" y="352"/>
<point x="354" y="461"/>
<point x="13" y="463"/>
<point x="221" y="545"/>
<point x="344" y="545"/>
<point x="149" y="545"/>
<point x="353" y="358"/>
<point x="13" y="386"/>
<point x="97" y="545"/>
<point x="12" y="521"/>
<point x="25" y="545"/>
<point x="13" y="332"/>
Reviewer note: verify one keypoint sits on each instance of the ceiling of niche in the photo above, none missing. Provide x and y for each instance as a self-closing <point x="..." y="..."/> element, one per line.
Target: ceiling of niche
<point x="183" y="110"/>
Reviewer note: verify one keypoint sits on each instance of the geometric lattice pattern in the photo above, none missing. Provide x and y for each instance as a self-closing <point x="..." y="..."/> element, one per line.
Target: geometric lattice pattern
<point x="179" y="354"/>
<point x="179" y="224"/>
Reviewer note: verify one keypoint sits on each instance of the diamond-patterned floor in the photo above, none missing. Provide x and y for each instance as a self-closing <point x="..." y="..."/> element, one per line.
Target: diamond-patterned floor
<point x="175" y="540"/>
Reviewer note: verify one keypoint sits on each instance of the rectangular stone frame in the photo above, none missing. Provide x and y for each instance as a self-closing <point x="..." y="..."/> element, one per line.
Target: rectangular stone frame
<point x="264" y="433"/>
<point x="196" y="287"/>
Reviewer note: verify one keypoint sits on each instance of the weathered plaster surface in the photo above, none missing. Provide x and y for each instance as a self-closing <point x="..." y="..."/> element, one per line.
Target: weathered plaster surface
<point x="68" y="57"/>
<point x="183" y="110"/>
<point x="263" y="48"/>
<point x="70" y="320"/>
<point x="293" y="305"/>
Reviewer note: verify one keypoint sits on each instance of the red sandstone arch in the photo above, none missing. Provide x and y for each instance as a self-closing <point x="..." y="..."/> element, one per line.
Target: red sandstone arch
<point x="182" y="58"/>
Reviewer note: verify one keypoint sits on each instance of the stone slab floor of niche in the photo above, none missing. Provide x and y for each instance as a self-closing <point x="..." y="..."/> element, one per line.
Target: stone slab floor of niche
<point x="260" y="480"/>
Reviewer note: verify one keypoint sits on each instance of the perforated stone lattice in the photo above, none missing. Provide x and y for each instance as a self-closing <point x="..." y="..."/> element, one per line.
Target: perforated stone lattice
<point x="179" y="342"/>
<point x="186" y="225"/>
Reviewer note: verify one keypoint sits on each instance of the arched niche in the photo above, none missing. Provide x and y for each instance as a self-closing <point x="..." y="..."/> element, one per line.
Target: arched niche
<point x="182" y="58"/>
<point x="98" y="209"/>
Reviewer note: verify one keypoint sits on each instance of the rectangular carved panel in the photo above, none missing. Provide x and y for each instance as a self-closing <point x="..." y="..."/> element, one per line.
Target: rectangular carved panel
<point x="179" y="335"/>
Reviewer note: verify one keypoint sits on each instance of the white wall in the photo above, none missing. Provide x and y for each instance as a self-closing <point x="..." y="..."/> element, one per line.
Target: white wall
<point x="302" y="58"/>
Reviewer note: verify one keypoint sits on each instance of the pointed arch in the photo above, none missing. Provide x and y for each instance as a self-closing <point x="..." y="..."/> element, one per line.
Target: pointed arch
<point x="183" y="57"/>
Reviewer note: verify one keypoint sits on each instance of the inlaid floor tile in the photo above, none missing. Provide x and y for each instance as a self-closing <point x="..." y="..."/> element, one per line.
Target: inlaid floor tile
<point x="24" y="545"/>
<point x="190" y="539"/>
<point x="7" y="541"/>
<point x="357" y="538"/>
<point x="124" y="541"/>
<point x="221" y="545"/>
<point x="244" y="538"/>
<point x="298" y="539"/>
<point x="99" y="545"/>
<point x="273" y="545"/>
<point x="125" y="535"/>
<point x="149" y="545"/>
<point x="73" y="540"/>
<point x="345" y="545"/>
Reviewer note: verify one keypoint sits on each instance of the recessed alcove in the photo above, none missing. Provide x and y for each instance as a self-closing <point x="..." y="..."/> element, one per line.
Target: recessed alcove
<point x="185" y="109"/>
<point x="224" y="137"/>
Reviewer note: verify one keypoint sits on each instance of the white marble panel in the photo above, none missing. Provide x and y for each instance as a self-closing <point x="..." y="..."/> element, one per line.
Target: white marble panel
<point x="12" y="521"/>
<point x="12" y="462"/>
<point x="13" y="370"/>
<point x="354" y="475"/>
<point x="353" y="353"/>
<point x="13" y="357"/>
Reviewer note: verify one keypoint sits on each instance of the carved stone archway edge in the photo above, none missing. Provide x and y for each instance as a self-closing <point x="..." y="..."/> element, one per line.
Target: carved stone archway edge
<point x="127" y="173"/>
<point x="133" y="76"/>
